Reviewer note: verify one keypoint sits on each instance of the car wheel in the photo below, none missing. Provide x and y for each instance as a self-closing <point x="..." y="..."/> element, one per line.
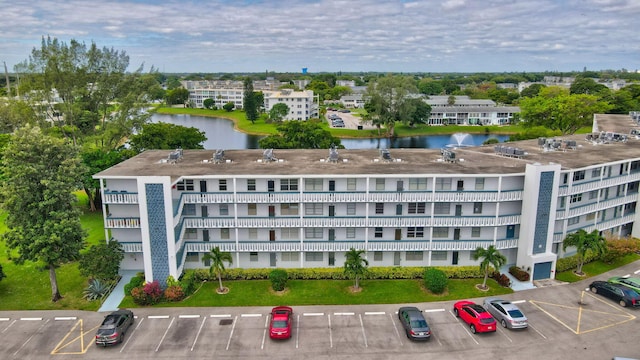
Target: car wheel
<point x="473" y="329"/>
<point x="594" y="290"/>
<point x="623" y="303"/>
<point x="504" y="323"/>
<point x="121" y="338"/>
<point x="408" y="334"/>
<point x="455" y="312"/>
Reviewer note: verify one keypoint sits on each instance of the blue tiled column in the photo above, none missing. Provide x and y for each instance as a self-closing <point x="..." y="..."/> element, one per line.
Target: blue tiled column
<point x="157" y="232"/>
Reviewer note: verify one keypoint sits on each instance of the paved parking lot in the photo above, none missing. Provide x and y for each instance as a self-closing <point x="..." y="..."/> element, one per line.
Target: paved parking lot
<point x="350" y="120"/>
<point x="565" y="322"/>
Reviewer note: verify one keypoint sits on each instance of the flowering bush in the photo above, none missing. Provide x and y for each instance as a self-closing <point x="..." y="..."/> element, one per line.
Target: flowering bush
<point x="174" y="293"/>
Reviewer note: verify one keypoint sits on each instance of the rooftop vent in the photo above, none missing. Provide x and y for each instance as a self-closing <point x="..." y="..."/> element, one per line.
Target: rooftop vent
<point x="267" y="155"/>
<point x="448" y="155"/>
<point x="509" y="151"/>
<point x="218" y="156"/>
<point x="385" y="155"/>
<point x="333" y="154"/>
<point x="175" y="156"/>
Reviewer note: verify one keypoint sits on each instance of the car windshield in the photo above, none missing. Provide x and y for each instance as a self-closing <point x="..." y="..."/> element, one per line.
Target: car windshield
<point x="417" y="324"/>
<point x="631" y="293"/>
<point x="486" y="321"/>
<point x="279" y="324"/>
<point x="105" y="332"/>
<point x="515" y="313"/>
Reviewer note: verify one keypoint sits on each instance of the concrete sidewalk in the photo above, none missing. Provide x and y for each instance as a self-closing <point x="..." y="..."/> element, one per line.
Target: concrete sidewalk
<point x="114" y="299"/>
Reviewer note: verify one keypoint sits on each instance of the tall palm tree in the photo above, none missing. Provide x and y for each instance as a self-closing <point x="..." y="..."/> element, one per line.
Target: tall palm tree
<point x="583" y="242"/>
<point x="355" y="265"/>
<point x="218" y="258"/>
<point x="490" y="256"/>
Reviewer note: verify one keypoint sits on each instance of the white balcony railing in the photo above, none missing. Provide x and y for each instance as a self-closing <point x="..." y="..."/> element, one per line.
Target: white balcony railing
<point x="122" y="223"/>
<point x="120" y="198"/>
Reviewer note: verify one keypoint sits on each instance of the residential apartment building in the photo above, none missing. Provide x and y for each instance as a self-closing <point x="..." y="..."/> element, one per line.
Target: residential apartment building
<point x="466" y="111"/>
<point x="302" y="105"/>
<point x="405" y="207"/>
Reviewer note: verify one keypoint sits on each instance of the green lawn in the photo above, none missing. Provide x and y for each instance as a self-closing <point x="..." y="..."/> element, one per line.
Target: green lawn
<point x="329" y="292"/>
<point x="595" y="268"/>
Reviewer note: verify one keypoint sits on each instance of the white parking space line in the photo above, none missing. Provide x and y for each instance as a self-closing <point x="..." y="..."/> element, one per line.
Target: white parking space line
<point x="31" y="337"/>
<point x="220" y="316"/>
<point x="374" y="312"/>
<point x="65" y="318"/>
<point x="626" y="276"/>
<point x="637" y="272"/>
<point x="330" y="333"/>
<point x="433" y="310"/>
<point x="8" y="326"/>
<point x="31" y="319"/>
<point x="231" y="333"/>
<point x="250" y="315"/>
<point x="298" y="331"/>
<point x="4" y="319"/>
<point x="158" y="316"/>
<point x="395" y="327"/>
<point x="198" y="334"/>
<point x="343" y="314"/>
<point x="313" y="314"/>
<point x="363" y="333"/>
<point x="131" y="335"/>
<point x="165" y="334"/>
<point x="264" y="333"/>
<point x="464" y="326"/>
<point x="188" y="316"/>
<point x="536" y="330"/>
<point x="504" y="333"/>
<point x="519" y="301"/>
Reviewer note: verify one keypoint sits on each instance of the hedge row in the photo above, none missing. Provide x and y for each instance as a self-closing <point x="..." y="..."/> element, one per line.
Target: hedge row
<point x="571" y="262"/>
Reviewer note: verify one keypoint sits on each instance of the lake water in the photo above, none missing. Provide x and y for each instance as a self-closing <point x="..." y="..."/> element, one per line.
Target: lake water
<point x="221" y="135"/>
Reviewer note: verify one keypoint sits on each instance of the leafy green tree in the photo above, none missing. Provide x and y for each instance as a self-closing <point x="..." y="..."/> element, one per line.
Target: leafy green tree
<point x="43" y="223"/>
<point x="430" y="87"/>
<point x="14" y="114"/>
<point x="209" y="103"/>
<point x="102" y="261"/>
<point x="228" y="107"/>
<point x="435" y="280"/>
<point x="300" y="135"/>
<point x="389" y="101"/>
<point x="278" y="278"/>
<point x="96" y="160"/>
<point x="583" y="242"/>
<point x="490" y="257"/>
<point x="319" y="87"/>
<point x="278" y="112"/>
<point x="532" y="90"/>
<point x="249" y="103"/>
<point x="167" y="136"/>
<point x="218" y="259"/>
<point x="355" y="265"/>
<point x="585" y="85"/>
<point x="177" y="96"/>
<point x="421" y="112"/>
<point x="339" y="91"/>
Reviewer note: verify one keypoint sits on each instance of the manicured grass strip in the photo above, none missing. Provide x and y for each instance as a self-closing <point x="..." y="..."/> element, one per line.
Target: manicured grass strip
<point x="329" y="292"/>
<point x="595" y="268"/>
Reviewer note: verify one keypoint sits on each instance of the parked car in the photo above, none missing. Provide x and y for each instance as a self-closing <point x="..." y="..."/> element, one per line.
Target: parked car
<point x="345" y="110"/>
<point x="506" y="313"/>
<point x="477" y="317"/>
<point x="630" y="282"/>
<point x="280" y="325"/>
<point x="415" y="325"/>
<point x="113" y="327"/>
<point x="337" y="123"/>
<point x="623" y="295"/>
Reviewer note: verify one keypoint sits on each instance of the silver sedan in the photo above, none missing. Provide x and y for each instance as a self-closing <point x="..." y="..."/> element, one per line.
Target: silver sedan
<point x="506" y="313"/>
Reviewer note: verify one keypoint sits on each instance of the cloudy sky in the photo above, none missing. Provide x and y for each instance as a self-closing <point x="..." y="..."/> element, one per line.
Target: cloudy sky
<point x="346" y="35"/>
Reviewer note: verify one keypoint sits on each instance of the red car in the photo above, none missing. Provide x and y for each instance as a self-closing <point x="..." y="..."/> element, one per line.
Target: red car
<point x="477" y="317"/>
<point x="280" y="326"/>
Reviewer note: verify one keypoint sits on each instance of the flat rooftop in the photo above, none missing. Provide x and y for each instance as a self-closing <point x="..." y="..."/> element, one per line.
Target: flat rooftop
<point x="468" y="160"/>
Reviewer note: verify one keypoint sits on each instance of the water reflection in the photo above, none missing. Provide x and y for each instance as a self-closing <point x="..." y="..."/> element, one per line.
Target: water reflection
<point x="221" y="135"/>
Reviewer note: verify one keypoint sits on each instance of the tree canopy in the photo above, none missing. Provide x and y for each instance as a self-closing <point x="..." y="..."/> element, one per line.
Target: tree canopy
<point x="583" y="242"/>
<point x="102" y="261"/>
<point x="355" y="265"/>
<point x="167" y="136"/>
<point x="295" y="134"/>
<point x="249" y="104"/>
<point x="278" y="112"/>
<point x="217" y="259"/>
<point x="43" y="223"/>
<point x="490" y="256"/>
<point x="389" y="102"/>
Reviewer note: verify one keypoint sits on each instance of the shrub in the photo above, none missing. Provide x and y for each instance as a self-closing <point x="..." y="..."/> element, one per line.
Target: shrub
<point x="96" y="290"/>
<point x="135" y="282"/>
<point x="188" y="283"/>
<point x="139" y="296"/>
<point x="278" y="279"/>
<point x="518" y="273"/>
<point x="174" y="293"/>
<point x="502" y="279"/>
<point x="435" y="280"/>
<point x="617" y="248"/>
<point x="153" y="292"/>
<point x="171" y="281"/>
<point x="571" y="262"/>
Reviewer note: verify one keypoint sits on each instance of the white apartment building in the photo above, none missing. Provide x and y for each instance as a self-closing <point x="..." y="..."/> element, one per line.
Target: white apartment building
<point x="466" y="111"/>
<point x="302" y="104"/>
<point x="404" y="207"/>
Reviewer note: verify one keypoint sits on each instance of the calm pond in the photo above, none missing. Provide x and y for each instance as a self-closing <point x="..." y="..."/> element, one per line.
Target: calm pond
<point x="221" y="135"/>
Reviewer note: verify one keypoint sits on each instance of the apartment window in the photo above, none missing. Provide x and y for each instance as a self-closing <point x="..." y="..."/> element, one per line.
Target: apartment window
<point x="289" y="184"/>
<point x="352" y="184"/>
<point x="377" y="256"/>
<point x="578" y="175"/>
<point x="351" y="208"/>
<point x="472" y="255"/>
<point x="224" y="209"/>
<point x="379" y="208"/>
<point x="576" y="198"/>
<point x="251" y="184"/>
<point x="189" y="209"/>
<point x="313" y="256"/>
<point x="351" y="233"/>
<point x="593" y="194"/>
<point x="191" y="233"/>
<point x="183" y="185"/>
<point x="574" y="220"/>
<point x="290" y="256"/>
<point x="313" y="209"/>
<point x="252" y="209"/>
<point x="289" y="209"/>
<point x="475" y="231"/>
<point x="253" y="256"/>
<point x="192" y="257"/>
<point x="415" y="232"/>
<point x="479" y="183"/>
<point x="418" y="184"/>
<point x="313" y="184"/>
<point x="439" y="255"/>
<point x="414" y="255"/>
<point x="222" y="185"/>
<point x="477" y="208"/>
<point x="289" y="233"/>
<point x="441" y="208"/>
<point x="590" y="216"/>
<point x="378" y="232"/>
<point x="224" y="233"/>
<point x="440" y="232"/>
<point x="443" y="184"/>
<point x="595" y="173"/>
<point x="253" y="233"/>
<point x="380" y="184"/>
<point x="417" y="208"/>
<point x="313" y="233"/>
<point x="565" y="178"/>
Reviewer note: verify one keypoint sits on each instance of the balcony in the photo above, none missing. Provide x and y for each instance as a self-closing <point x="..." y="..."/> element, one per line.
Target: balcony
<point x="597" y="184"/>
<point x="122" y="197"/>
<point x="122" y="223"/>
<point x="131" y="247"/>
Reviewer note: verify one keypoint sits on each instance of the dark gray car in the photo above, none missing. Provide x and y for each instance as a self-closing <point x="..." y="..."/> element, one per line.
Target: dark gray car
<point x="415" y="325"/>
<point x="506" y="313"/>
<point x="113" y="327"/>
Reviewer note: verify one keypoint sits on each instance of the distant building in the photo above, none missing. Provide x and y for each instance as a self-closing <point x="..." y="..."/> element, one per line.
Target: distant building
<point x="302" y="105"/>
<point x="466" y="111"/>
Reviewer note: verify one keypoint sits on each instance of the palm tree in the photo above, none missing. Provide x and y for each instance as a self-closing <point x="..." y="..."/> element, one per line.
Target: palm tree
<point x="583" y="242"/>
<point x="218" y="258"/>
<point x="490" y="256"/>
<point x="354" y="265"/>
